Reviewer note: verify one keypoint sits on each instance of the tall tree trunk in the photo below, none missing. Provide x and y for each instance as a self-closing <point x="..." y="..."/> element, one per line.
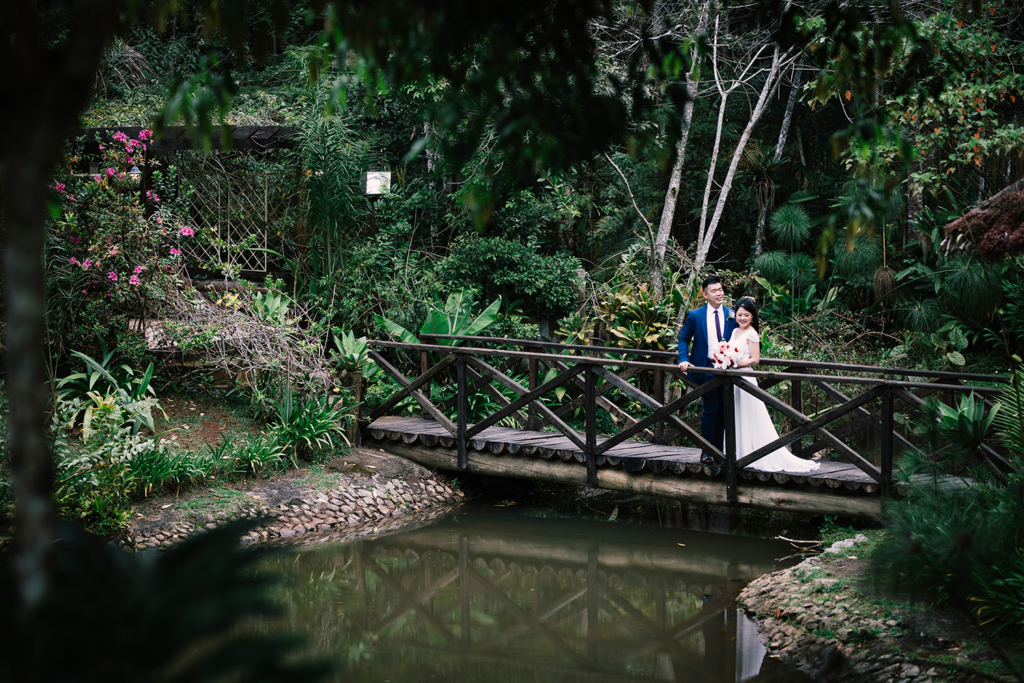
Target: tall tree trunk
<point x="706" y="234"/>
<point x="53" y="86"/>
<point x="787" y="120"/>
<point x="668" y="212"/>
<point x="24" y="183"/>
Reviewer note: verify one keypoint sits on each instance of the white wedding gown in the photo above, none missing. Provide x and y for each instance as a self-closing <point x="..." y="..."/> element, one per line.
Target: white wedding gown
<point x="754" y="426"/>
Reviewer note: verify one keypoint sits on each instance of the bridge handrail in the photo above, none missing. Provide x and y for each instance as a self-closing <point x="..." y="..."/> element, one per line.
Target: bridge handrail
<point x="759" y="374"/>
<point x="780" y="362"/>
<point x="584" y="372"/>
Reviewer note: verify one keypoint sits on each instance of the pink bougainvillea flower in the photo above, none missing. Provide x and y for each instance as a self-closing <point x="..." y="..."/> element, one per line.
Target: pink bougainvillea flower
<point x="112" y="276"/>
<point x="175" y="252"/>
<point x="138" y="269"/>
<point x="134" y="280"/>
<point x="145" y="134"/>
<point x="187" y="231"/>
<point x="96" y="178"/>
<point x="73" y="261"/>
<point x="86" y="263"/>
<point x="110" y="172"/>
<point x="120" y="136"/>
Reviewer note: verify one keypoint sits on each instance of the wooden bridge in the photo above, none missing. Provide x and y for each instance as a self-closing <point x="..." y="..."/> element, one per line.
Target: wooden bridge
<point x="488" y="409"/>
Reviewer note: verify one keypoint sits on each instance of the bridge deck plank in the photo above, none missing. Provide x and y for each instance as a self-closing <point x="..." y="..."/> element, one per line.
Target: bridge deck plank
<point x="839" y="473"/>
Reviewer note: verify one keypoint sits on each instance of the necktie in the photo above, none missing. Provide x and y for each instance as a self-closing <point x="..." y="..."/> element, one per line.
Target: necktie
<point x="718" y="326"/>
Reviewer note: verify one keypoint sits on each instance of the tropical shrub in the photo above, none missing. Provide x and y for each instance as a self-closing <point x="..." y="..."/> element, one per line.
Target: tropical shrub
<point x="452" y="319"/>
<point x="513" y="270"/>
<point x="307" y="427"/>
<point x="112" y="389"/>
<point x="961" y="545"/>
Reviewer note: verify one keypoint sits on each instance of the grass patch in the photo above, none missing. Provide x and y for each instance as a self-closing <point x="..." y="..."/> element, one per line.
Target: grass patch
<point x="319" y="479"/>
<point x="219" y="499"/>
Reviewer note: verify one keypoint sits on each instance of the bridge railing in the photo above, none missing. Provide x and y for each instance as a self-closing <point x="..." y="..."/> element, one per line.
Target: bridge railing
<point x="592" y="380"/>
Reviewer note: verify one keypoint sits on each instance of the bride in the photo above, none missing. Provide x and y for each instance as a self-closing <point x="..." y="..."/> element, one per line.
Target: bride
<point x="754" y="426"/>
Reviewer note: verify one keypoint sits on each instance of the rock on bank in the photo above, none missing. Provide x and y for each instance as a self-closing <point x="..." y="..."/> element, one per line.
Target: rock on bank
<point x="360" y="491"/>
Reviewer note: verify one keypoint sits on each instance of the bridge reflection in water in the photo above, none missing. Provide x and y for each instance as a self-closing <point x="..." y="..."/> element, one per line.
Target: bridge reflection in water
<point x="511" y="598"/>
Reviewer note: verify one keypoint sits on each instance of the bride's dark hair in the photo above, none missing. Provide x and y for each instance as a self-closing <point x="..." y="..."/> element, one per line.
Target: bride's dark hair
<point x="748" y="304"/>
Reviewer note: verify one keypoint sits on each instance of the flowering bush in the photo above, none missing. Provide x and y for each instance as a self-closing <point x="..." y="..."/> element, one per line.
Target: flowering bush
<point x="111" y="251"/>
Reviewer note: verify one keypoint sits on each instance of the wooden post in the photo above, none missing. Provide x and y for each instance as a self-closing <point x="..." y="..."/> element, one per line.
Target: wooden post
<point x="462" y="406"/>
<point x="424" y="366"/>
<point x="797" y="401"/>
<point x="531" y="415"/>
<point x="464" y="622"/>
<point x="593" y="602"/>
<point x="729" y="414"/>
<point x="887" y="439"/>
<point x="590" y="403"/>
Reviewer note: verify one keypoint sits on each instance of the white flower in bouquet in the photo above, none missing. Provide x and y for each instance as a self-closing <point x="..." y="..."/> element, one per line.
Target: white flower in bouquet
<point x="727" y="356"/>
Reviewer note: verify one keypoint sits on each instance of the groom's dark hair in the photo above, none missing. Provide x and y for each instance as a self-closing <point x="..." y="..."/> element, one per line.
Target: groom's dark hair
<point x="711" y="280"/>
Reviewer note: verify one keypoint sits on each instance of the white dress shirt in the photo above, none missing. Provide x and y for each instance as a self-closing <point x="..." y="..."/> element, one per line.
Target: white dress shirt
<point x="712" y="338"/>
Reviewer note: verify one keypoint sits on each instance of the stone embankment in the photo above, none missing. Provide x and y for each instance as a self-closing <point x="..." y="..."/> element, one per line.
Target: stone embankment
<point x="363" y="494"/>
<point x="814" y="617"/>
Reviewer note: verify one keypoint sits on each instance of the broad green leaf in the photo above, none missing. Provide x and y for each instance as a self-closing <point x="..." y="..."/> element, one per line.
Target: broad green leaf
<point x="484" y="319"/>
<point x="397" y="330"/>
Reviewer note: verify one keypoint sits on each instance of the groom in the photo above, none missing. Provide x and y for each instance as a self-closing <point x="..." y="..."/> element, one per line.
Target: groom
<point x="703" y="329"/>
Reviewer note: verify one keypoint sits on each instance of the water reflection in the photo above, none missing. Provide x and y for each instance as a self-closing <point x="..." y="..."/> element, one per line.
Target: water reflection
<point x="489" y="597"/>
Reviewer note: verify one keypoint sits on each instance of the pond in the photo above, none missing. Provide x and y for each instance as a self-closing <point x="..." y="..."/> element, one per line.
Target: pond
<point x="498" y="595"/>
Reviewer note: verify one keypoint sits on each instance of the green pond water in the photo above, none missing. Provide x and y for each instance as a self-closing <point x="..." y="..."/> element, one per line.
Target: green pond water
<point x="494" y="595"/>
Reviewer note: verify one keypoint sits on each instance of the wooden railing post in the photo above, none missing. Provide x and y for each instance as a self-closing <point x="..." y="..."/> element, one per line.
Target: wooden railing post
<point x="462" y="406"/>
<point x="424" y="366"/>
<point x="532" y="419"/>
<point x="729" y="414"/>
<point x="658" y="391"/>
<point x="590" y="403"/>
<point x="887" y="439"/>
<point x="797" y="401"/>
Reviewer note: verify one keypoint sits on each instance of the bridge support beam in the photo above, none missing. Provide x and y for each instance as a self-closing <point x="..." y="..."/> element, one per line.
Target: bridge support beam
<point x="695" y="490"/>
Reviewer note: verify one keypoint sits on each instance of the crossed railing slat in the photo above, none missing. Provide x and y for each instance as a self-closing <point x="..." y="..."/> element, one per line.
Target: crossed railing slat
<point x="581" y="374"/>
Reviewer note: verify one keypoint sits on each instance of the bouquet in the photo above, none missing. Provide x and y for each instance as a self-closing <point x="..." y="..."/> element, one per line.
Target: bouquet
<point x="727" y="356"/>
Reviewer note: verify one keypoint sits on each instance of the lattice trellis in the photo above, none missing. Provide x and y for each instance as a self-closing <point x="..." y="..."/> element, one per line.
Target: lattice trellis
<point x="236" y="207"/>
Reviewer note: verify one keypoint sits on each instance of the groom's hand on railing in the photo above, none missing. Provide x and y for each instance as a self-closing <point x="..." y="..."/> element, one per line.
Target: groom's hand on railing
<point x="684" y="366"/>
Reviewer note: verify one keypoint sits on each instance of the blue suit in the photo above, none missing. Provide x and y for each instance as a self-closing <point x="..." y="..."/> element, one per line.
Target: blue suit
<point x="695" y="332"/>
